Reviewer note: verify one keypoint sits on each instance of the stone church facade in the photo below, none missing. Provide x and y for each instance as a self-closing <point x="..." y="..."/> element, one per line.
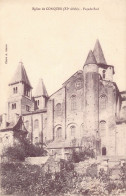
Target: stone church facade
<point x="87" y="110"/>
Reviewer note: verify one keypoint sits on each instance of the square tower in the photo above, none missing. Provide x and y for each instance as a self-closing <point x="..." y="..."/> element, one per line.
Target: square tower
<point x="20" y="98"/>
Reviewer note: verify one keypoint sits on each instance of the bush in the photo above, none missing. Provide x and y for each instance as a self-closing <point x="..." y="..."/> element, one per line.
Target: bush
<point x="82" y="155"/>
<point x="27" y="180"/>
<point x="22" y="150"/>
<point x="15" y="153"/>
<point x="123" y="174"/>
<point x="66" y="165"/>
<point x="31" y="180"/>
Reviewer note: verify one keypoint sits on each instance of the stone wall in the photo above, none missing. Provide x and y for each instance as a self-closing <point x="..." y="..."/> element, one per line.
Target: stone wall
<point x="6" y="139"/>
<point x="35" y="133"/>
<point x="120" y="139"/>
<point x="74" y="113"/>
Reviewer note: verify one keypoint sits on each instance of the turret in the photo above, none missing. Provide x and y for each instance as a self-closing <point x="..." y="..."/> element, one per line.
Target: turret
<point x="106" y="71"/>
<point x="40" y="95"/>
<point x="91" y="85"/>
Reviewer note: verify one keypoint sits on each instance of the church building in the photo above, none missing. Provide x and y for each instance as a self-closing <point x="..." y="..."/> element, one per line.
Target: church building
<point x="88" y="110"/>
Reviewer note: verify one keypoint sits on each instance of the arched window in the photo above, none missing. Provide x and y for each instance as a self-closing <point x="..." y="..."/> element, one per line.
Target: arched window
<point x="103" y="101"/>
<point x="58" y="109"/>
<point x="59" y="133"/>
<point x="73" y="130"/>
<point x="27" y="124"/>
<point x="36" y="124"/>
<point x="14" y="90"/>
<point x="103" y="74"/>
<point x="26" y="91"/>
<point x="13" y="106"/>
<point x="73" y="102"/>
<point x="104" y="151"/>
<point x="102" y="127"/>
<point x="36" y="140"/>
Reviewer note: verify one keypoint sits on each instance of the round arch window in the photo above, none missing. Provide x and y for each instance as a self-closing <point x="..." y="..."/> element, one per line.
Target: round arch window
<point x="59" y="133"/>
<point x="58" y="109"/>
<point x="104" y="151"/>
<point x="73" y="131"/>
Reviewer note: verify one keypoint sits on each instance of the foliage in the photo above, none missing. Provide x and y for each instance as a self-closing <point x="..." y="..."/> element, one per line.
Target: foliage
<point x="28" y="180"/>
<point x="123" y="174"/>
<point x="32" y="180"/>
<point x="15" y="153"/>
<point x="22" y="150"/>
<point x="66" y="165"/>
<point x="82" y="155"/>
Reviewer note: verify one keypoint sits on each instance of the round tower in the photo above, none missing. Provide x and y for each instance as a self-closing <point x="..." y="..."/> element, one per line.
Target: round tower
<point x="91" y="91"/>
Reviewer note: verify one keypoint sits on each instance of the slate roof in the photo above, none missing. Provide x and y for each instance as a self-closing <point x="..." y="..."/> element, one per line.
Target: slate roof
<point x="90" y="58"/>
<point x="20" y="76"/>
<point x="41" y="89"/>
<point x="98" y="53"/>
<point x="17" y="126"/>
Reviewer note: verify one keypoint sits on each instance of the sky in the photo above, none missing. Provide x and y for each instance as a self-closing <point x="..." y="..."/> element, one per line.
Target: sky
<point x="54" y="44"/>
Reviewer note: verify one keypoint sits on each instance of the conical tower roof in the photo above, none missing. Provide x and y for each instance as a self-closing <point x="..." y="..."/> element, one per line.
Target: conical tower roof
<point x="98" y="53"/>
<point x="20" y="75"/>
<point x="90" y="58"/>
<point x="41" y="89"/>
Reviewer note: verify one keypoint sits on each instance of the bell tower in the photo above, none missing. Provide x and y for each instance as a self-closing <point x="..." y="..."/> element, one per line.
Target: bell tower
<point x="41" y="95"/>
<point x="20" y="95"/>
